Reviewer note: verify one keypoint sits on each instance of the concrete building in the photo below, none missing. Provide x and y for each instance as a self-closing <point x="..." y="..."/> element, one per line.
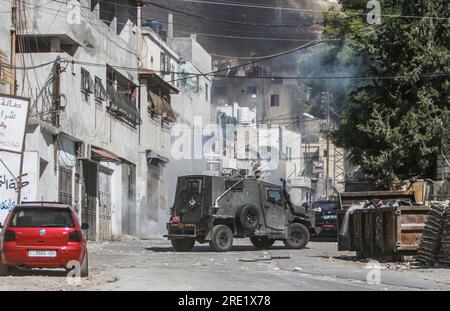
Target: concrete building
<point x="85" y="118"/>
<point x="246" y="145"/>
<point x="157" y="85"/>
<point x="167" y="64"/>
<point x="277" y="101"/>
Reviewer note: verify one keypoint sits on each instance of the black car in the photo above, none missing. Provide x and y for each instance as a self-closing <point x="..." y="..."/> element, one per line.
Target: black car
<point x="326" y="217"/>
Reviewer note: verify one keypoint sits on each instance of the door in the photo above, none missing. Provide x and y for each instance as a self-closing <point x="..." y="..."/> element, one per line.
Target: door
<point x="89" y="198"/>
<point x="104" y="200"/>
<point x="65" y="186"/>
<point x="274" y="208"/>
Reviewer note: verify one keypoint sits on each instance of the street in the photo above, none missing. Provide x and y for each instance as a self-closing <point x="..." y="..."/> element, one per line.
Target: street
<point x="150" y="265"/>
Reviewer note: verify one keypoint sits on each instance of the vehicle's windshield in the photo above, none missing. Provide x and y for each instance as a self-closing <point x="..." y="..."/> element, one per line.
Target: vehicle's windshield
<point x="325" y="205"/>
<point x="42" y="218"/>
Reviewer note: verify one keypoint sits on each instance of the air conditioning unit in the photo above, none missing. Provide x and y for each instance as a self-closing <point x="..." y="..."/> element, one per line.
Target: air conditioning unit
<point x="109" y="104"/>
<point x="84" y="151"/>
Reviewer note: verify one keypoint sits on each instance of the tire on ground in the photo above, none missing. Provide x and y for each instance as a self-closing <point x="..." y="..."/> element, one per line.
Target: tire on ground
<point x="248" y="216"/>
<point x="262" y="242"/>
<point x="221" y="239"/>
<point x="298" y="236"/>
<point x="183" y="245"/>
<point x="4" y="270"/>
<point x="84" y="270"/>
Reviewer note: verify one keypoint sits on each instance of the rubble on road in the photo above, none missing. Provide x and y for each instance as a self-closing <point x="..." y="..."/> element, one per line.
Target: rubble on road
<point x="264" y="259"/>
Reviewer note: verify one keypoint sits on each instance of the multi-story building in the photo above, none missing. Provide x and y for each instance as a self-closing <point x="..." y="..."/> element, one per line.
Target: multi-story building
<point x="85" y="120"/>
<point x="175" y="91"/>
<point x="247" y="145"/>
<point x="278" y="101"/>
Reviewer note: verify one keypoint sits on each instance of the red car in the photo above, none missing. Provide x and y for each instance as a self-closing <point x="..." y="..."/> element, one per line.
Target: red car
<point x="42" y="235"/>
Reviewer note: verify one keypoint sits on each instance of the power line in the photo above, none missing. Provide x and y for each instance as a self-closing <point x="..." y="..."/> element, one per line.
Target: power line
<point x="200" y="34"/>
<point x="225" y="21"/>
<point x="280" y="8"/>
<point x="424" y="75"/>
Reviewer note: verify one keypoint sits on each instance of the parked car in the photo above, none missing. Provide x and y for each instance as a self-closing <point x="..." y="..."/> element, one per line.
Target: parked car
<point x="42" y="235"/>
<point x="214" y="210"/>
<point x="326" y="217"/>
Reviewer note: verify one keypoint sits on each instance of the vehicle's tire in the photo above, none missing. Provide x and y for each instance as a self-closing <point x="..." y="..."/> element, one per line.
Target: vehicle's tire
<point x="84" y="269"/>
<point x="248" y="216"/>
<point x="4" y="270"/>
<point x="183" y="245"/>
<point x="262" y="242"/>
<point x="222" y="238"/>
<point x="298" y="236"/>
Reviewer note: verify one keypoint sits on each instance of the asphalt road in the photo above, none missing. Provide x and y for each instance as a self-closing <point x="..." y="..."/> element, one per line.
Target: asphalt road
<point x="133" y="264"/>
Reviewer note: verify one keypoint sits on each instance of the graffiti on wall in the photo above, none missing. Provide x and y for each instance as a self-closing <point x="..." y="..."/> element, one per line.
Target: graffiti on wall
<point x="9" y="178"/>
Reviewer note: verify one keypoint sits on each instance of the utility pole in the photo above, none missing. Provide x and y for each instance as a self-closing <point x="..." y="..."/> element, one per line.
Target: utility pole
<point x="15" y="21"/>
<point x="327" y="159"/>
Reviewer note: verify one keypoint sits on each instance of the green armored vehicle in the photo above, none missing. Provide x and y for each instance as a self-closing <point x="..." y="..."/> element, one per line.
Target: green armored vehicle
<point x="217" y="209"/>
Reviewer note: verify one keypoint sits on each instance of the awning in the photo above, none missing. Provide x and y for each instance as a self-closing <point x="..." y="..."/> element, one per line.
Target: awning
<point x="121" y="104"/>
<point x="161" y="107"/>
<point x="154" y="158"/>
<point x="102" y="155"/>
<point x="157" y="81"/>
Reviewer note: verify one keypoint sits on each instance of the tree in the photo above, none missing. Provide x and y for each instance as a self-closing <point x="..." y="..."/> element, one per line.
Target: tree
<point x="394" y="125"/>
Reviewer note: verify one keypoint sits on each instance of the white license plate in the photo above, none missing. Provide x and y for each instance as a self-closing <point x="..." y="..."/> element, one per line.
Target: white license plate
<point x="39" y="253"/>
<point x="329" y="217"/>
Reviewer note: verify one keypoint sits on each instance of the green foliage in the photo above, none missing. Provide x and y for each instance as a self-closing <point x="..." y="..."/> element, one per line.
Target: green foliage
<point x="394" y="128"/>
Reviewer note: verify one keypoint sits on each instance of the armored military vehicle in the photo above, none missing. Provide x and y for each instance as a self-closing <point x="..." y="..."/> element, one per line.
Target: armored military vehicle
<point x="217" y="209"/>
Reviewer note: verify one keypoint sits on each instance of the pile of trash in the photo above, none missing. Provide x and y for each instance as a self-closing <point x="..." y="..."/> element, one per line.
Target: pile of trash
<point x="435" y="244"/>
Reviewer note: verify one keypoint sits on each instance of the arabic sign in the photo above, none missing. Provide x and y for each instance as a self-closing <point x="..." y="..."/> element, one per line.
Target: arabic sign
<point x="9" y="178"/>
<point x="13" y="119"/>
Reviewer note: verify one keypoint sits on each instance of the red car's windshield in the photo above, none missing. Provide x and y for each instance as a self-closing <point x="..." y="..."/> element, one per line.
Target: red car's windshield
<point x="42" y="217"/>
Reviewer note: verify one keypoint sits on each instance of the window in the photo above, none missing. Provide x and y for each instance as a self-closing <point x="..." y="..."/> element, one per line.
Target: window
<point x="163" y="64"/>
<point x="274" y="100"/>
<point x="231" y="183"/>
<point x="42" y="217"/>
<point x="86" y="81"/>
<point x="220" y="91"/>
<point x="197" y="84"/>
<point x="100" y="92"/>
<point x="206" y="91"/>
<point x="274" y="197"/>
<point x="252" y="90"/>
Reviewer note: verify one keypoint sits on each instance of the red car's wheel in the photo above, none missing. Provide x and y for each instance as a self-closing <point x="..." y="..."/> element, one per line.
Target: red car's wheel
<point x="85" y="267"/>
<point x="3" y="270"/>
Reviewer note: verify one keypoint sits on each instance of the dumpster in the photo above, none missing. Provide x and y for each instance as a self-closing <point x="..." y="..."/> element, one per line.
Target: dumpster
<point x="384" y="231"/>
<point x="391" y="229"/>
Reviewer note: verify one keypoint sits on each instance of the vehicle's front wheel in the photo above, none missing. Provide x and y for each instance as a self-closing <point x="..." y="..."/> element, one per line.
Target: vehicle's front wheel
<point x="298" y="236"/>
<point x="222" y="239"/>
<point x="84" y="270"/>
<point x="183" y="245"/>
<point x="262" y="242"/>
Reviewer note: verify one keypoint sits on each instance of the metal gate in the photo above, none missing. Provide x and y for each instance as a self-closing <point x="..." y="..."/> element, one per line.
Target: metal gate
<point x="65" y="186"/>
<point x="89" y="198"/>
<point x="104" y="197"/>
